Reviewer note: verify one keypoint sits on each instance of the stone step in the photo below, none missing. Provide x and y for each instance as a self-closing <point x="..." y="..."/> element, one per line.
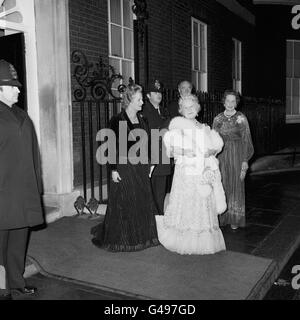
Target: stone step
<point x="52" y="214"/>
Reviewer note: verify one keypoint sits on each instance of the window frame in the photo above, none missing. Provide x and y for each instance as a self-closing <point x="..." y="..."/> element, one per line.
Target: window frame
<point x="290" y="117"/>
<point x="237" y="66"/>
<point x="202" y="74"/>
<point x="123" y="28"/>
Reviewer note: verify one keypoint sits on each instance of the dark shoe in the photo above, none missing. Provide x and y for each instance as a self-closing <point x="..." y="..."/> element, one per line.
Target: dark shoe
<point x="6" y="297"/>
<point x="26" y="290"/>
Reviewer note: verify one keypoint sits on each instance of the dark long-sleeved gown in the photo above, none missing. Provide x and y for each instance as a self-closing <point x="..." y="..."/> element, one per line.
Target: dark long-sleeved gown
<point x="129" y="223"/>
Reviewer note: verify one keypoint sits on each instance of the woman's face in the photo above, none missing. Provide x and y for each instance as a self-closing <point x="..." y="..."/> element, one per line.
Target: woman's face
<point x="137" y="101"/>
<point x="189" y="110"/>
<point x="230" y="102"/>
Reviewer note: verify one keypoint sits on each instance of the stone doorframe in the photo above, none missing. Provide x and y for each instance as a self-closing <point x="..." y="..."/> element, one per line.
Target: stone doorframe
<point x="17" y="16"/>
<point x="45" y="25"/>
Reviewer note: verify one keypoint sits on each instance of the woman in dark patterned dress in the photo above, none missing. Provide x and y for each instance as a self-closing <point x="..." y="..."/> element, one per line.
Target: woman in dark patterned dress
<point x="233" y="127"/>
<point x="129" y="223"/>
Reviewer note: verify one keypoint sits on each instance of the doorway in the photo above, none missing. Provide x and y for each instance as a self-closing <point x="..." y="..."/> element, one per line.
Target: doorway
<point x="12" y="49"/>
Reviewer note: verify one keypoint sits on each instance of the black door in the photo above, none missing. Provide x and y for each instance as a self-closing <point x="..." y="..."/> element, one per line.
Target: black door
<point x="12" y="49"/>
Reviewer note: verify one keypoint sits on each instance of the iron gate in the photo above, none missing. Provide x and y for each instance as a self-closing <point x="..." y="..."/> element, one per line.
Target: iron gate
<point x="95" y="102"/>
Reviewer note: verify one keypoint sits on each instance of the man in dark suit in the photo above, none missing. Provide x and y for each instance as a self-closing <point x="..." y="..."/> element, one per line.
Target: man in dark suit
<point x="20" y="185"/>
<point x="158" y="118"/>
<point x="184" y="88"/>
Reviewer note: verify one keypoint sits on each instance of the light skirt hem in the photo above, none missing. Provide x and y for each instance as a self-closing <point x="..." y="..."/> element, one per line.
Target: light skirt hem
<point x="190" y="242"/>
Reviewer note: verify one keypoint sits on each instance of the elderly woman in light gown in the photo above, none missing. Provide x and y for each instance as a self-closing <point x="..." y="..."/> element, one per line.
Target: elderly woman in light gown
<point x="190" y="224"/>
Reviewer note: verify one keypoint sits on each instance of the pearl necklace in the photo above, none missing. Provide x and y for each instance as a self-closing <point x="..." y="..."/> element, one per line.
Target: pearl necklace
<point x="229" y="115"/>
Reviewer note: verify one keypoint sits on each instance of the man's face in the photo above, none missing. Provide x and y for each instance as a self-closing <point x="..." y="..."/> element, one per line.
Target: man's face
<point x="9" y="95"/>
<point x="155" y="97"/>
<point x="185" y="89"/>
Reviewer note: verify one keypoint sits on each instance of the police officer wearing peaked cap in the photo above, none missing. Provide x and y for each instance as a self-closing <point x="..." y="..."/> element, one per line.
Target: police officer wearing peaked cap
<point x="158" y="118"/>
<point x="20" y="185"/>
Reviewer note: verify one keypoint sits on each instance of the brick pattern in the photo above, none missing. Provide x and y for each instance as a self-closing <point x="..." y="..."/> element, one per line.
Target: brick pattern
<point x="170" y="53"/>
<point x="89" y="33"/>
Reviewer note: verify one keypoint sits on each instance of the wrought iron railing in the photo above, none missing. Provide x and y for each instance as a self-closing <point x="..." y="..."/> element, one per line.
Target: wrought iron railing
<point x="97" y="103"/>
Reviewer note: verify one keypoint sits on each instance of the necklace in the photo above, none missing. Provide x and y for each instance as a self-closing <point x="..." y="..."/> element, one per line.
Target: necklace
<point x="229" y="115"/>
<point x="133" y="118"/>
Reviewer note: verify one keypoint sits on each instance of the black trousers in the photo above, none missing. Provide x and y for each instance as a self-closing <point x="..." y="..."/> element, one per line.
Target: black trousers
<point x="159" y="184"/>
<point x="13" y="244"/>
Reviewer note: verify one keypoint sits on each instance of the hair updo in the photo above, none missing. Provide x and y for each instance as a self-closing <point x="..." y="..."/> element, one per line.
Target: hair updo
<point x="129" y="93"/>
<point x="190" y="98"/>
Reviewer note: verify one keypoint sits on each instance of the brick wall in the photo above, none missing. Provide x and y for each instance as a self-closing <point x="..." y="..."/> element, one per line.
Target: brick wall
<point x="89" y="33"/>
<point x="170" y="43"/>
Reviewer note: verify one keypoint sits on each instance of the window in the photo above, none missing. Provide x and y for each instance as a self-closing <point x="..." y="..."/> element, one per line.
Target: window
<point x="120" y="28"/>
<point x="199" y="55"/>
<point x="237" y="65"/>
<point x="293" y="81"/>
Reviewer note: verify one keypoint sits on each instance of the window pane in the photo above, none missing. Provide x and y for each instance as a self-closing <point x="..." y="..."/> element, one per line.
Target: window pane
<point x="115" y="11"/>
<point x="194" y="79"/>
<point x="289" y="68"/>
<point x="127" y="14"/>
<point x="196" y="58"/>
<point x="196" y="35"/>
<point x="288" y="86"/>
<point x="289" y="49"/>
<point x="238" y="69"/>
<point x="115" y="63"/>
<point x="116" y="41"/>
<point x="128" y="44"/>
<point x="297" y="68"/>
<point x="288" y="105"/>
<point x="200" y="84"/>
<point x="233" y="59"/>
<point x="297" y="50"/>
<point x="295" y="92"/>
<point x="295" y="97"/>
<point x="295" y="105"/>
<point x="203" y="60"/>
<point x="126" y="70"/>
<point x="202" y="36"/>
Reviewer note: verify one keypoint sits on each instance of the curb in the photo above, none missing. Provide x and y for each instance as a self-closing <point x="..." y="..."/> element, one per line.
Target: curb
<point x="274" y="171"/>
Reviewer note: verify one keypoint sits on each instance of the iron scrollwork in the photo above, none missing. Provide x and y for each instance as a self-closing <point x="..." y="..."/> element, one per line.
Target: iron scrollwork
<point x="91" y="206"/>
<point x="98" y="77"/>
<point x="140" y="10"/>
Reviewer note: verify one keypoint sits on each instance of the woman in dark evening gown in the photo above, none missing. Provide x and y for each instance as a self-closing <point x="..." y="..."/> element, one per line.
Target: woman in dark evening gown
<point x="129" y="223"/>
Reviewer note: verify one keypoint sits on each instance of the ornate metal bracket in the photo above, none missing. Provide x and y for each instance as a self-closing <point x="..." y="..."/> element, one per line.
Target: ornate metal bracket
<point x="98" y="77"/>
<point x="140" y="10"/>
<point x="91" y="206"/>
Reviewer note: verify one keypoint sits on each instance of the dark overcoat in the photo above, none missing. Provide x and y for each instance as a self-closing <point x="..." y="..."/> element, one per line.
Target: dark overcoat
<point x="20" y="171"/>
<point x="173" y="108"/>
<point x="158" y="121"/>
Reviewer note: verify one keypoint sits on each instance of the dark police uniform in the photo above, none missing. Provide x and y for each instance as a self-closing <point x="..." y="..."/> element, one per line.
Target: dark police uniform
<point x="173" y="108"/>
<point x="20" y="187"/>
<point x="158" y="119"/>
